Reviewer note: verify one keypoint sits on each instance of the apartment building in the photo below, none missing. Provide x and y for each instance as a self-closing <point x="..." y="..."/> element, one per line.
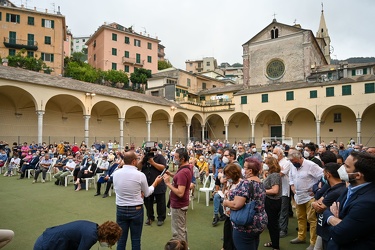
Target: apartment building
<point x="79" y="43"/>
<point x="42" y="34"/>
<point x="115" y="47"/>
<point x="203" y="65"/>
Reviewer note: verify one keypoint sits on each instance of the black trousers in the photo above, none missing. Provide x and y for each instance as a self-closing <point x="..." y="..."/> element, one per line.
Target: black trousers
<point x="228" y="235"/>
<point x="160" y="206"/>
<point x="99" y="185"/>
<point x="273" y="208"/>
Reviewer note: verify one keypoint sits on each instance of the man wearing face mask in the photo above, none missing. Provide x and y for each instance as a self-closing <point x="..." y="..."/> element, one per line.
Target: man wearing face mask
<point x="351" y="218"/>
<point x="217" y="162"/>
<point x="253" y="152"/>
<point x="242" y="155"/>
<point x="67" y="169"/>
<point x="302" y="177"/>
<point x="309" y="154"/>
<point x="336" y="188"/>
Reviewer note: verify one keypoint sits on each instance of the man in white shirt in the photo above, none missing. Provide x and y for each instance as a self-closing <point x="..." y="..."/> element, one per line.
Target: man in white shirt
<point x="302" y="176"/>
<point x="129" y="184"/>
<point x="68" y="169"/>
<point x="285" y="165"/>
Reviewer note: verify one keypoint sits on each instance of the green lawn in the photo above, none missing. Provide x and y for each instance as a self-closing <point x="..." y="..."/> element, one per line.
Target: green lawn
<point x="28" y="209"/>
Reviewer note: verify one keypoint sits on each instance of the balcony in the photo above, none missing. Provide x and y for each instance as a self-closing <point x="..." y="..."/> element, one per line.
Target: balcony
<point x="161" y="54"/>
<point x="209" y="105"/>
<point x="133" y="61"/>
<point x="20" y="44"/>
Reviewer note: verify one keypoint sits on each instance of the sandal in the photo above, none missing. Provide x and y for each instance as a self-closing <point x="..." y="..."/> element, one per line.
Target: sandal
<point x="268" y="244"/>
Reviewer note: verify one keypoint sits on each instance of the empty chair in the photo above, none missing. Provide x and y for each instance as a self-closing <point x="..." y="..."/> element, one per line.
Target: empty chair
<point x="208" y="186"/>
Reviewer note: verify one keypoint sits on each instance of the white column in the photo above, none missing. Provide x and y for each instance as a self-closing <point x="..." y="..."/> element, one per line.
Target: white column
<point x="148" y="130"/>
<point x="202" y="132"/>
<point x="188" y="132"/>
<point x="40" y="114"/>
<point x="282" y="131"/>
<point x="226" y="131"/>
<point x="253" y="132"/>
<point x="87" y="118"/>
<point x="170" y="132"/>
<point x="121" y="120"/>
<point x="317" y="132"/>
<point x="359" y="139"/>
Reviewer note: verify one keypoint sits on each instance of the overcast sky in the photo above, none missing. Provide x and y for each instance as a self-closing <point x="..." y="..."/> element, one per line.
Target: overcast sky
<point x="193" y="29"/>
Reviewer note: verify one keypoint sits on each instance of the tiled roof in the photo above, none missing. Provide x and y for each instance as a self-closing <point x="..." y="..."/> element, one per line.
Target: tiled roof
<point x="22" y="75"/>
<point x="225" y="89"/>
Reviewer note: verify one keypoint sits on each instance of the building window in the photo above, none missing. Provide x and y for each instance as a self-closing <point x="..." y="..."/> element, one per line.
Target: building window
<point x="83" y="40"/>
<point x="94" y="57"/>
<point x="30" y="39"/>
<point x="264" y="97"/>
<point x="337" y="117"/>
<point x="204" y="85"/>
<point x="114" y="52"/>
<point x="138" y="58"/>
<point x="365" y="71"/>
<point x="12" y="37"/>
<point x="188" y="82"/>
<point x="274" y="33"/>
<point x="290" y="95"/>
<point x="347" y="90"/>
<point x="30" y="20"/>
<point x="126" y="68"/>
<point x="369" y="88"/>
<point x="202" y="98"/>
<point x="47" y="57"/>
<point x="213" y="86"/>
<point x="313" y="94"/>
<point x="12" y="18"/>
<point x="0" y="16"/>
<point x="275" y="69"/>
<point x="12" y="52"/>
<point x="137" y="42"/>
<point x="149" y="59"/>
<point x="30" y="53"/>
<point x="114" y="37"/>
<point x="127" y="40"/>
<point x="77" y="47"/>
<point x="48" y="23"/>
<point x="243" y="99"/>
<point x="47" y="40"/>
<point x="149" y="45"/>
<point x="94" y="43"/>
<point x="126" y="54"/>
<point x="208" y="64"/>
<point x="330" y="91"/>
<point x="114" y="66"/>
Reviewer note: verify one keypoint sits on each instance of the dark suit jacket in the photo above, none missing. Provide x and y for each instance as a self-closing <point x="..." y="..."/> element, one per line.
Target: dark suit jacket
<point x="357" y="229"/>
<point x="34" y="161"/>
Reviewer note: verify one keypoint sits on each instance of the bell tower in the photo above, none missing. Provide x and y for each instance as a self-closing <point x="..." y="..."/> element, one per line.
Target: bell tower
<point x="323" y="34"/>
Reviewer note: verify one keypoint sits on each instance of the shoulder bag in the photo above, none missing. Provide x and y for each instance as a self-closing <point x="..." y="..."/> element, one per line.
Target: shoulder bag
<point x="245" y="215"/>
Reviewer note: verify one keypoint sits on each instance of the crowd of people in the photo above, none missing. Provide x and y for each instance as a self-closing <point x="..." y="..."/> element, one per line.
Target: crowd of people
<point x="330" y="186"/>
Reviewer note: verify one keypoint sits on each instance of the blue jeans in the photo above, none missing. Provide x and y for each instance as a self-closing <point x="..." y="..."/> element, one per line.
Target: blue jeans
<point x="218" y="208"/>
<point x="245" y="241"/>
<point x="130" y="218"/>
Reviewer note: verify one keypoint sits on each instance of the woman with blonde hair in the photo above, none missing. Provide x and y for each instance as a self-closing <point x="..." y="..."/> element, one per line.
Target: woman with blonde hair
<point x="272" y="185"/>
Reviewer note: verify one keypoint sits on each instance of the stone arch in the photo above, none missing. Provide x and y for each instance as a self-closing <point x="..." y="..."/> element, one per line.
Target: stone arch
<point x="267" y="125"/>
<point x="196" y="122"/>
<point x="367" y="126"/>
<point x="239" y="127"/>
<point x="160" y="126"/>
<point x="300" y="125"/>
<point x="135" y="127"/>
<point x="214" y="127"/>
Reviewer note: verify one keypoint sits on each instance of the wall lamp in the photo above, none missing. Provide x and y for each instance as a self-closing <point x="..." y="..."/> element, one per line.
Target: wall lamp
<point x="18" y="115"/>
<point x="90" y="95"/>
<point x="290" y="122"/>
<point x="173" y="108"/>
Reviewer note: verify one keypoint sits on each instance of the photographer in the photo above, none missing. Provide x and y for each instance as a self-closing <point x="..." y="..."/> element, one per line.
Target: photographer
<point x="152" y="165"/>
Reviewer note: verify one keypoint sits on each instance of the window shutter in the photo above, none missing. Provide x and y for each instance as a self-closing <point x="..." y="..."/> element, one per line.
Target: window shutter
<point x="43" y="22"/>
<point x="353" y="72"/>
<point x="42" y="56"/>
<point x="52" y="57"/>
<point x="365" y="71"/>
<point x="52" y="24"/>
<point x="18" y="18"/>
<point x="8" y="17"/>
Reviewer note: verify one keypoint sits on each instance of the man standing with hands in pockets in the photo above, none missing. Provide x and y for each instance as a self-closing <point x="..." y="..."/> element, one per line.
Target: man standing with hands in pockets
<point x="179" y="196"/>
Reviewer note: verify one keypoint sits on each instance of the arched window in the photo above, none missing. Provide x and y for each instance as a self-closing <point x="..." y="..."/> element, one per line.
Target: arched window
<point x="274" y="33"/>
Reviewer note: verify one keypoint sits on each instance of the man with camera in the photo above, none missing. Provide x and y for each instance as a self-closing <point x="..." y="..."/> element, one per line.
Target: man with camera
<point x="152" y="165"/>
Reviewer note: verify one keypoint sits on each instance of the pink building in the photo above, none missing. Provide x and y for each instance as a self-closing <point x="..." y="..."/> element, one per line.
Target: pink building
<point x="113" y="46"/>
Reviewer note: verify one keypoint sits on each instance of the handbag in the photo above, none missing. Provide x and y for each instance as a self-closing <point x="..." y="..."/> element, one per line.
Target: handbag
<point x="245" y="215"/>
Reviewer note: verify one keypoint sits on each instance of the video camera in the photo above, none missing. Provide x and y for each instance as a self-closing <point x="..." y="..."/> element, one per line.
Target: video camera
<point x="148" y="150"/>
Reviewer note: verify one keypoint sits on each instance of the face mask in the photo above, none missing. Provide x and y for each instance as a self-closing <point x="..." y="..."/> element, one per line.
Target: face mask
<point x="306" y="154"/>
<point x="298" y="148"/>
<point x="254" y="150"/>
<point x="275" y="156"/>
<point x="225" y="159"/>
<point x="344" y="175"/>
<point x="229" y="180"/>
<point x="241" y="153"/>
<point x="356" y="149"/>
<point x="89" y="162"/>
<point x="297" y="164"/>
<point x="218" y="155"/>
<point x="70" y="160"/>
<point x="324" y="180"/>
<point x="265" y="167"/>
<point x="201" y="160"/>
<point x="176" y="162"/>
<point x="104" y="244"/>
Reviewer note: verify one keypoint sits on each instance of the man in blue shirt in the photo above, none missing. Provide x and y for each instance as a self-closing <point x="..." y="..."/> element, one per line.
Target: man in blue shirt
<point x="217" y="162"/>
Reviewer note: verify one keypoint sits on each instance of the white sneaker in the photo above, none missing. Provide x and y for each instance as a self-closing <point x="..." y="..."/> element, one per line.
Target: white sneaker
<point x="34" y="181"/>
<point x="43" y="181"/>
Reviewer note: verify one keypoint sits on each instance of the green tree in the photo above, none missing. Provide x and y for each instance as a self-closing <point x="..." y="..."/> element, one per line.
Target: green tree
<point x="114" y="77"/>
<point x="140" y="76"/>
<point x="164" y="65"/>
<point x="236" y="65"/>
<point x="26" y="62"/>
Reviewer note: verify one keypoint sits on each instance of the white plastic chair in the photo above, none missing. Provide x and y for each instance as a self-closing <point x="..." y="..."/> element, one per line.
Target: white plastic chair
<point x="207" y="190"/>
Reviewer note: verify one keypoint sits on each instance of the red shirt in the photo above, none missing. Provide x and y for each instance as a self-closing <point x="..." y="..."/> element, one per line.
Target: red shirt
<point x="182" y="177"/>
